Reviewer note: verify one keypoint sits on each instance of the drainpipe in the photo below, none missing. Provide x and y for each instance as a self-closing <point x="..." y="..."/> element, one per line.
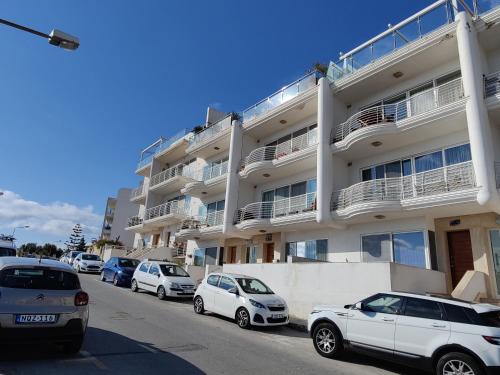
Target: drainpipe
<point x="478" y="123"/>
<point x="324" y="157"/>
<point x="233" y="181"/>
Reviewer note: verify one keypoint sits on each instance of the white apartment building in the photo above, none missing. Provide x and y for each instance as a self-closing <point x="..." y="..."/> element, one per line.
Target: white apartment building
<point x="382" y="175"/>
<point x="118" y="210"/>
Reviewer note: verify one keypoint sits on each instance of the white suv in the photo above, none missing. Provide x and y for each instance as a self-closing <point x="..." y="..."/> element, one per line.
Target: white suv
<point x="448" y="336"/>
<point x="246" y="299"/>
<point x="163" y="278"/>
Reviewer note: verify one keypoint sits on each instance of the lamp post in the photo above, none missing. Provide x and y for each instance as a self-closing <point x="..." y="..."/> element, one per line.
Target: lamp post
<point x="56" y="37"/>
<point x="23" y="227"/>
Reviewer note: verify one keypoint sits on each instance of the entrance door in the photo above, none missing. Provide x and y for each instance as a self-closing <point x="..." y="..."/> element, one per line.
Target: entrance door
<point x="460" y="249"/>
<point x="269" y="253"/>
<point x="156" y="240"/>
<point x="231" y="256"/>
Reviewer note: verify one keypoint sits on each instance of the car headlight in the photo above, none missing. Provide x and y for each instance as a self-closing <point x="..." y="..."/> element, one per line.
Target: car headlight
<point x="257" y="304"/>
<point x="175" y="286"/>
<point x="84" y="263"/>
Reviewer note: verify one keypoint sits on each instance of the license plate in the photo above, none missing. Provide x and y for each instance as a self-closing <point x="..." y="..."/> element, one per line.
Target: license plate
<point x="36" y="318"/>
<point x="278" y="316"/>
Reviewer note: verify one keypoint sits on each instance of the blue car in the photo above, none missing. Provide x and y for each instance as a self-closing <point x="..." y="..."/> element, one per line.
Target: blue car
<point x="119" y="270"/>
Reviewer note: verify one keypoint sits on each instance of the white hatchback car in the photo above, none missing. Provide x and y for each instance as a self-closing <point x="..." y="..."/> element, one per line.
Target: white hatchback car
<point x="163" y="278"/>
<point x="246" y="299"/>
<point x="85" y="262"/>
<point x="448" y="336"/>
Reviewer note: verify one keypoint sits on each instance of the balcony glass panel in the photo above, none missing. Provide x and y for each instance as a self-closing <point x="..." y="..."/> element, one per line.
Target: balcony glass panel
<point x="383" y="46"/>
<point x="433" y="20"/>
<point x="406" y="34"/>
<point x="361" y="58"/>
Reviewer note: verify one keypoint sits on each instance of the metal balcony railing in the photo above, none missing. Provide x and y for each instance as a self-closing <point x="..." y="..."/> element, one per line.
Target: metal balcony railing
<point x="134" y="220"/>
<point x="211" y="131"/>
<point x="286" y="148"/>
<point x="179" y="252"/>
<point x="212" y="219"/>
<point x="497" y="173"/>
<point x="137" y="192"/>
<point x="167" y="174"/>
<point x="168" y="208"/>
<point x="279" y="208"/>
<point x="207" y="172"/>
<point x="492" y="84"/>
<point x="417" y="104"/>
<point x="166" y="143"/>
<point x="281" y="96"/>
<point x="437" y="181"/>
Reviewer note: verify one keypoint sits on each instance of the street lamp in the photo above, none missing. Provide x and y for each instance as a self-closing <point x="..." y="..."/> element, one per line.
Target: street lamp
<point x="56" y="37"/>
<point x="23" y="227"/>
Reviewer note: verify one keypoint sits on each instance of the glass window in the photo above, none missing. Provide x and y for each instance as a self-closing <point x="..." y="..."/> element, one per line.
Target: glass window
<point x="199" y="257"/>
<point x="253" y="254"/>
<point x="210" y="255"/>
<point x="144" y="267"/>
<point x="131" y="263"/>
<point x="383" y="303"/>
<point x="457" y="314"/>
<point x="213" y="280"/>
<point x="7" y="252"/>
<point x="154" y="270"/>
<point x="321" y="249"/>
<point x="226" y="283"/>
<point x="301" y="249"/>
<point x="366" y="175"/>
<point x="495" y="248"/>
<point x="253" y="286"/>
<point x="393" y="169"/>
<point x="407" y="169"/>
<point x="30" y="278"/>
<point x="421" y="308"/>
<point x="458" y="154"/>
<point x="91" y="257"/>
<point x="311" y="186"/>
<point x="376" y="247"/>
<point x="490" y="319"/>
<point x="429" y="161"/>
<point x="291" y="249"/>
<point x="409" y="249"/>
<point x="298" y="189"/>
<point x="173" y="270"/>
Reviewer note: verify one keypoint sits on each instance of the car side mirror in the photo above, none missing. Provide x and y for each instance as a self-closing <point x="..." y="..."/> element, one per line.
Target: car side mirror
<point x="158" y="275"/>
<point x="359" y="306"/>
<point x="234" y="291"/>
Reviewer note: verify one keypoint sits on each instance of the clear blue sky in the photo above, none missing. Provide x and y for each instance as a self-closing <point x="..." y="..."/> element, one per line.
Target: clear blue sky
<point x="73" y="124"/>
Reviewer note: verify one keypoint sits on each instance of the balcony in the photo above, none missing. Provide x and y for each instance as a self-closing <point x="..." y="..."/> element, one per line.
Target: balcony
<point x="421" y="108"/>
<point x="492" y="85"/>
<point x="295" y="210"/>
<point x="135" y="223"/>
<point x="296" y="154"/>
<point x="143" y="163"/>
<point x="165" y="214"/>
<point x="172" y="148"/>
<point x="138" y="195"/>
<point x="171" y="179"/>
<point x="206" y="227"/>
<point x="147" y="155"/>
<point x="208" y="180"/>
<point x="438" y="187"/>
<point x="212" y="139"/>
<point x="497" y="173"/>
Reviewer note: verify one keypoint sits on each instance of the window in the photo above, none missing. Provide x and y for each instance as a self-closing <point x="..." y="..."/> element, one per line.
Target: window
<point x="199" y="257"/>
<point x="429" y="161"/>
<point x="173" y="270"/>
<point x="90" y="257"/>
<point x="154" y="270"/>
<point x="30" y="278"/>
<point x="457" y="154"/>
<point x="7" y="252"/>
<point x="226" y="283"/>
<point x="495" y="248"/>
<point x="253" y="286"/>
<point x="383" y="303"/>
<point x="404" y="248"/>
<point x="127" y="263"/>
<point x="213" y="280"/>
<point x="253" y="254"/>
<point x="144" y="267"/>
<point x="457" y="314"/>
<point x="311" y="249"/>
<point x="421" y="308"/>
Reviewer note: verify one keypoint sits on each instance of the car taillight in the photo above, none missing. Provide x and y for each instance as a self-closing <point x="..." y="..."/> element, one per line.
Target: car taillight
<point x="492" y="340"/>
<point x="81" y="299"/>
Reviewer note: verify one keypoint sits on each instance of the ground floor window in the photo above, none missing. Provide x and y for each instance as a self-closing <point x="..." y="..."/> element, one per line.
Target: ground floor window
<point x="404" y="248"/>
<point x="495" y="248"/>
<point x="202" y="257"/>
<point x="311" y="249"/>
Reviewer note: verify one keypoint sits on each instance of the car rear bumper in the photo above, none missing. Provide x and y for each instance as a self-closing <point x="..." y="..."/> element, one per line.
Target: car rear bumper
<point x="75" y="328"/>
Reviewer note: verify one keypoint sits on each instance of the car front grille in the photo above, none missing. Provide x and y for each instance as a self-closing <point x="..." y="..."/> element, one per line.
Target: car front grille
<point x="185" y="286"/>
<point x="276" y="307"/>
<point x="276" y="320"/>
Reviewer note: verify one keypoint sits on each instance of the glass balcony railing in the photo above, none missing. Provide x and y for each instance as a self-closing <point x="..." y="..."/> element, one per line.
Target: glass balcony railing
<point x="145" y="161"/>
<point x="281" y="96"/>
<point x="413" y="28"/>
<point x="211" y="131"/>
<point x="166" y="143"/>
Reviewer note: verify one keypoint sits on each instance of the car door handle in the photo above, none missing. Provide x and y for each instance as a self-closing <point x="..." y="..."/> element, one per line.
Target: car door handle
<point x="437" y="325"/>
<point x="388" y="319"/>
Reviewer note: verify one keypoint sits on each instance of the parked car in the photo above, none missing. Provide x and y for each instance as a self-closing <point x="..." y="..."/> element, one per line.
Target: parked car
<point x="69" y="256"/>
<point x="119" y="270"/>
<point x="163" y="278"/>
<point x="246" y="299"/>
<point x="444" y="335"/>
<point x="85" y="262"/>
<point x="7" y="246"/>
<point x="41" y="300"/>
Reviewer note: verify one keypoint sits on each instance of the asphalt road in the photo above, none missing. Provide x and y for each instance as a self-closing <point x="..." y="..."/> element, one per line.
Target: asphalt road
<point x="135" y="333"/>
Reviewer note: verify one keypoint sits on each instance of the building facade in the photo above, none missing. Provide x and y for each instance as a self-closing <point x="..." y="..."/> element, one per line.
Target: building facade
<point x="387" y="168"/>
<point x="118" y="210"/>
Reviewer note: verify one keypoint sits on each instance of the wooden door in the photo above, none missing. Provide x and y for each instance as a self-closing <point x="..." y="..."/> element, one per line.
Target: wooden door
<point x="156" y="240"/>
<point x="231" y="258"/>
<point x="269" y="253"/>
<point x="460" y="250"/>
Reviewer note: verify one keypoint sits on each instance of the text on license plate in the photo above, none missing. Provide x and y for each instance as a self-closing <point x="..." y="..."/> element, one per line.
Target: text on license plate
<point x="35" y="318"/>
<point x="278" y="316"/>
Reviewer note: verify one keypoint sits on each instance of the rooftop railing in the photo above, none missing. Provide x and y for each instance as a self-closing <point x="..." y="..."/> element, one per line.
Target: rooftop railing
<point x="492" y="84"/>
<point x="166" y="143"/>
<point x="168" y="208"/>
<point x="281" y="96"/>
<point x="147" y="160"/>
<point x="437" y="181"/>
<point x="295" y="144"/>
<point x="278" y="208"/>
<point x="167" y="174"/>
<point x="417" y="104"/>
<point x="211" y="131"/>
<point x="134" y="220"/>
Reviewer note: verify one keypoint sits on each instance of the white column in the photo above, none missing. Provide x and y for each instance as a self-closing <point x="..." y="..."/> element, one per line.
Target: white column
<point x="233" y="181"/>
<point x="477" y="115"/>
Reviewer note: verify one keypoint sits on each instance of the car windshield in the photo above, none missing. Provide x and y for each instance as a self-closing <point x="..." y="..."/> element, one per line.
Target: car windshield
<point x="90" y="257"/>
<point x="75" y="254"/>
<point x="7" y="252"/>
<point x="130" y="263"/>
<point x="30" y="278"/>
<point x="253" y="286"/>
<point x="173" y="270"/>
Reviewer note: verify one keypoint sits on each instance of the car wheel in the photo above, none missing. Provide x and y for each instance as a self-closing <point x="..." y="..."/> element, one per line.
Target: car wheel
<point x="243" y="318"/>
<point x="73" y="346"/>
<point x="115" y="281"/>
<point x="134" y="286"/>
<point x="458" y="363"/>
<point x="199" y="307"/>
<point x="102" y="276"/>
<point x="327" y="340"/>
<point x="161" y="292"/>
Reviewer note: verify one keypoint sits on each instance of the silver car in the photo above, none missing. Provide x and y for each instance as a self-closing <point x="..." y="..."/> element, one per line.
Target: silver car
<point x="41" y="300"/>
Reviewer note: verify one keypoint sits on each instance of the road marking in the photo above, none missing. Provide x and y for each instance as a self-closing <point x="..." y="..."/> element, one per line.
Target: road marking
<point x="94" y="360"/>
<point x="148" y="348"/>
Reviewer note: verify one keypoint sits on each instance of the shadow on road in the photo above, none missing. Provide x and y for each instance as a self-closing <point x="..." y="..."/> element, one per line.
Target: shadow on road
<point x="102" y="350"/>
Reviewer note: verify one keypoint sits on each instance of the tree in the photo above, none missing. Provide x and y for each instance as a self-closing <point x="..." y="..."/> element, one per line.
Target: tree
<point x="82" y="246"/>
<point x="75" y="238"/>
<point x="28" y="248"/>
